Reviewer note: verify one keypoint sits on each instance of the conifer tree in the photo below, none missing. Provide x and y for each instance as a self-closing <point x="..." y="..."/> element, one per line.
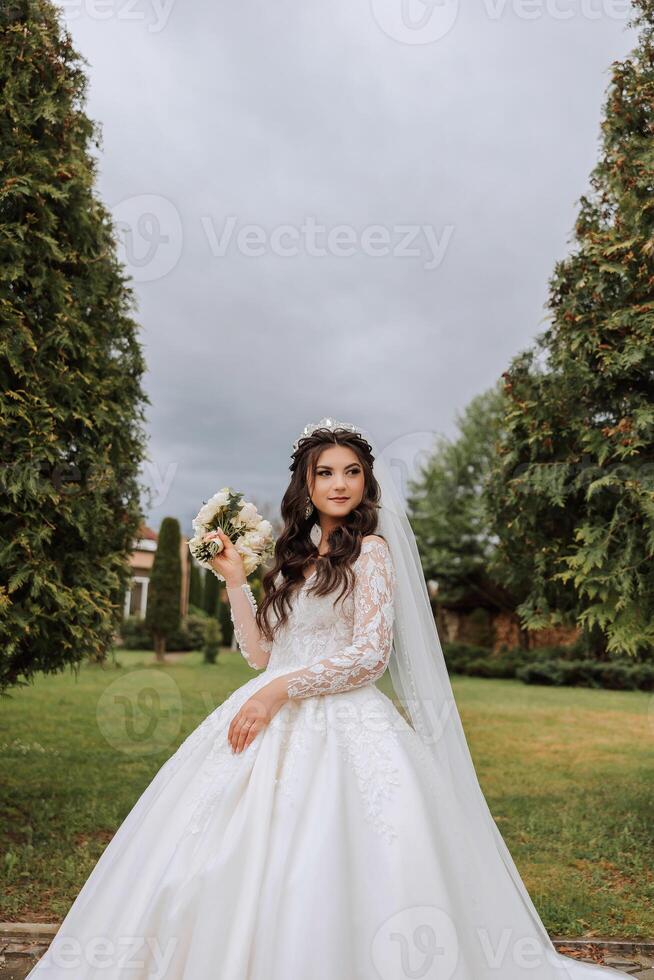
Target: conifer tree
<point x="163" y="614"/>
<point x="448" y="506"/>
<point x="195" y="593"/>
<point x="574" y="487"/>
<point x="225" y="617"/>
<point x="71" y="400"/>
<point x="211" y="591"/>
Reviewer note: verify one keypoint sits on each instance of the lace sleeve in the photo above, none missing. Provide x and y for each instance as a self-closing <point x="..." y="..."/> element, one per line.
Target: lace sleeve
<point x="372" y="637"/>
<point x="243" y="607"/>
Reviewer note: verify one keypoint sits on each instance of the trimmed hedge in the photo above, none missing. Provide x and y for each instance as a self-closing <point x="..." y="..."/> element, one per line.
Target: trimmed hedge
<point x="135" y="634"/>
<point x="559" y="666"/>
<point x="618" y="675"/>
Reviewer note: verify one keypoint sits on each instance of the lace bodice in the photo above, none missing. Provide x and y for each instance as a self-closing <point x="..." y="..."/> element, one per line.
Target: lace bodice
<point x="326" y="647"/>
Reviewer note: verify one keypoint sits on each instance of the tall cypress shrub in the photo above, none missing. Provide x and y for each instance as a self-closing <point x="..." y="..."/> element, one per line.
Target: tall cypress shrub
<point x="71" y="366"/>
<point x="163" y="614"/>
<point x="225" y="617"/>
<point x="211" y="592"/>
<point x="195" y="592"/>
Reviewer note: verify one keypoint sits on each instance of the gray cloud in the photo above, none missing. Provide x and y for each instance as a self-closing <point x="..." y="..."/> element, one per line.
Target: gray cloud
<point x="280" y="116"/>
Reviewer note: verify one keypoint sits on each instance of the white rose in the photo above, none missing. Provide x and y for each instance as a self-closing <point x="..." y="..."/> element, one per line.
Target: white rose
<point x="206" y="514"/>
<point x="248" y="515"/>
<point x="265" y="529"/>
<point x="220" y="499"/>
<point x="249" y="564"/>
<point x="255" y="541"/>
<point x="213" y="506"/>
<point x="245" y="551"/>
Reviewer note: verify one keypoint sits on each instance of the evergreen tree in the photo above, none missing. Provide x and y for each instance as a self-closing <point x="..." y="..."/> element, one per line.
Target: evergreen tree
<point x="448" y="506"/>
<point x="71" y="401"/>
<point x="211" y="590"/>
<point x="195" y="594"/>
<point x="163" y="615"/>
<point x="574" y="487"/>
<point x="225" y="618"/>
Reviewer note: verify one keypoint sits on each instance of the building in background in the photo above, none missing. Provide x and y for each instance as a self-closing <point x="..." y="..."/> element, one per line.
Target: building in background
<point x="485" y="622"/>
<point x="141" y="560"/>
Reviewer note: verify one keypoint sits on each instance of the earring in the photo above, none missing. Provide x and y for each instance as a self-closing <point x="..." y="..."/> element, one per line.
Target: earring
<point x="308" y="511"/>
<point x="316" y="533"/>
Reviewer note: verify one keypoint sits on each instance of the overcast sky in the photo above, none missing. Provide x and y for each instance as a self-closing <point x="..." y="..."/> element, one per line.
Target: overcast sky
<point x="346" y="208"/>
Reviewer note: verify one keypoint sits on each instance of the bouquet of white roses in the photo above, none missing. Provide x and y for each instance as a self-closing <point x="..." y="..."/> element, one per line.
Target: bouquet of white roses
<point x="240" y="521"/>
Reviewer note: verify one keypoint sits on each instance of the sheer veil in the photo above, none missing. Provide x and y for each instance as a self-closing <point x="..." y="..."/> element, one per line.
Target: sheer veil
<point x="422" y="685"/>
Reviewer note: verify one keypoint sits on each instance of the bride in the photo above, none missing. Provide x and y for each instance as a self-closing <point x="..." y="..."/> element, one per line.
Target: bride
<point x="310" y="829"/>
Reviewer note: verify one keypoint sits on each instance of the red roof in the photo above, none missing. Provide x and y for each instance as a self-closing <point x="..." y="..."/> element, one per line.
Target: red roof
<point x="147" y="533"/>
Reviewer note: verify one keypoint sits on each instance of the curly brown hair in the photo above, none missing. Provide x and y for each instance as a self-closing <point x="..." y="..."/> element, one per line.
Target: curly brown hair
<point x="294" y="549"/>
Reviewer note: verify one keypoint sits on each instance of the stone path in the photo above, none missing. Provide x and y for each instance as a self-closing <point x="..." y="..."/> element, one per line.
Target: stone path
<point x="636" y="959"/>
<point x="22" y="944"/>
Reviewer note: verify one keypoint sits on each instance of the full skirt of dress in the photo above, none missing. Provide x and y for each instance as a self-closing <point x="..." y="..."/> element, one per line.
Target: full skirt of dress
<point x="320" y="852"/>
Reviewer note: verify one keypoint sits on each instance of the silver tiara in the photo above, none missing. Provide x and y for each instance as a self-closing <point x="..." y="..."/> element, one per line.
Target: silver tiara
<point x="326" y="423"/>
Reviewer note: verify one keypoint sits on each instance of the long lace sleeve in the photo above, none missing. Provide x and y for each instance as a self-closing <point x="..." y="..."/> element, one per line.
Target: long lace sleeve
<point x="243" y="607"/>
<point x="365" y="659"/>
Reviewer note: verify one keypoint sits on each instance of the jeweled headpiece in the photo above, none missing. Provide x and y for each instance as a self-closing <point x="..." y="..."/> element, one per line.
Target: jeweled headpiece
<point x="326" y="423"/>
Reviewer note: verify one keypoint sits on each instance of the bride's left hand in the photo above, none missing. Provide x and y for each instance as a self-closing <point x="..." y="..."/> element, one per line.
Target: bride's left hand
<point x="257" y="712"/>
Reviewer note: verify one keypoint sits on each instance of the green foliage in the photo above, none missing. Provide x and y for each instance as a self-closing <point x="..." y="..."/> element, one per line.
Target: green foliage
<point x="479" y="627"/>
<point x="190" y="635"/>
<point x="572" y="491"/>
<point x="225" y="619"/>
<point x="195" y="595"/>
<point x="449" y="510"/>
<point x="212" y="640"/>
<point x="135" y="634"/>
<point x="616" y="675"/>
<point x="163" y="612"/>
<point x="559" y="666"/>
<point x="196" y="611"/>
<point x="505" y="665"/>
<point x="459" y="655"/>
<point x="475" y="661"/>
<point x="210" y="593"/>
<point x="71" y="399"/>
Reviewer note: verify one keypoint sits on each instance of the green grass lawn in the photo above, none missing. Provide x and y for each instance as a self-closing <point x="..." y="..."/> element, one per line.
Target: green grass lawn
<point x="568" y="774"/>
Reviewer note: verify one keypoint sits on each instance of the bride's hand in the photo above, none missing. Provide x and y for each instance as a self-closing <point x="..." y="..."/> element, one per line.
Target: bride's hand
<point x="228" y="563"/>
<point x="257" y="712"/>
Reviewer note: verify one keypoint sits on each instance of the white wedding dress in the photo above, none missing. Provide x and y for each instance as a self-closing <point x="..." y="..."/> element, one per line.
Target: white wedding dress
<point x="323" y="851"/>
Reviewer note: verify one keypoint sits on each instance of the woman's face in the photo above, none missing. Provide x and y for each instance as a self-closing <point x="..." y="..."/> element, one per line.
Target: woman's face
<point x="339" y="481"/>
